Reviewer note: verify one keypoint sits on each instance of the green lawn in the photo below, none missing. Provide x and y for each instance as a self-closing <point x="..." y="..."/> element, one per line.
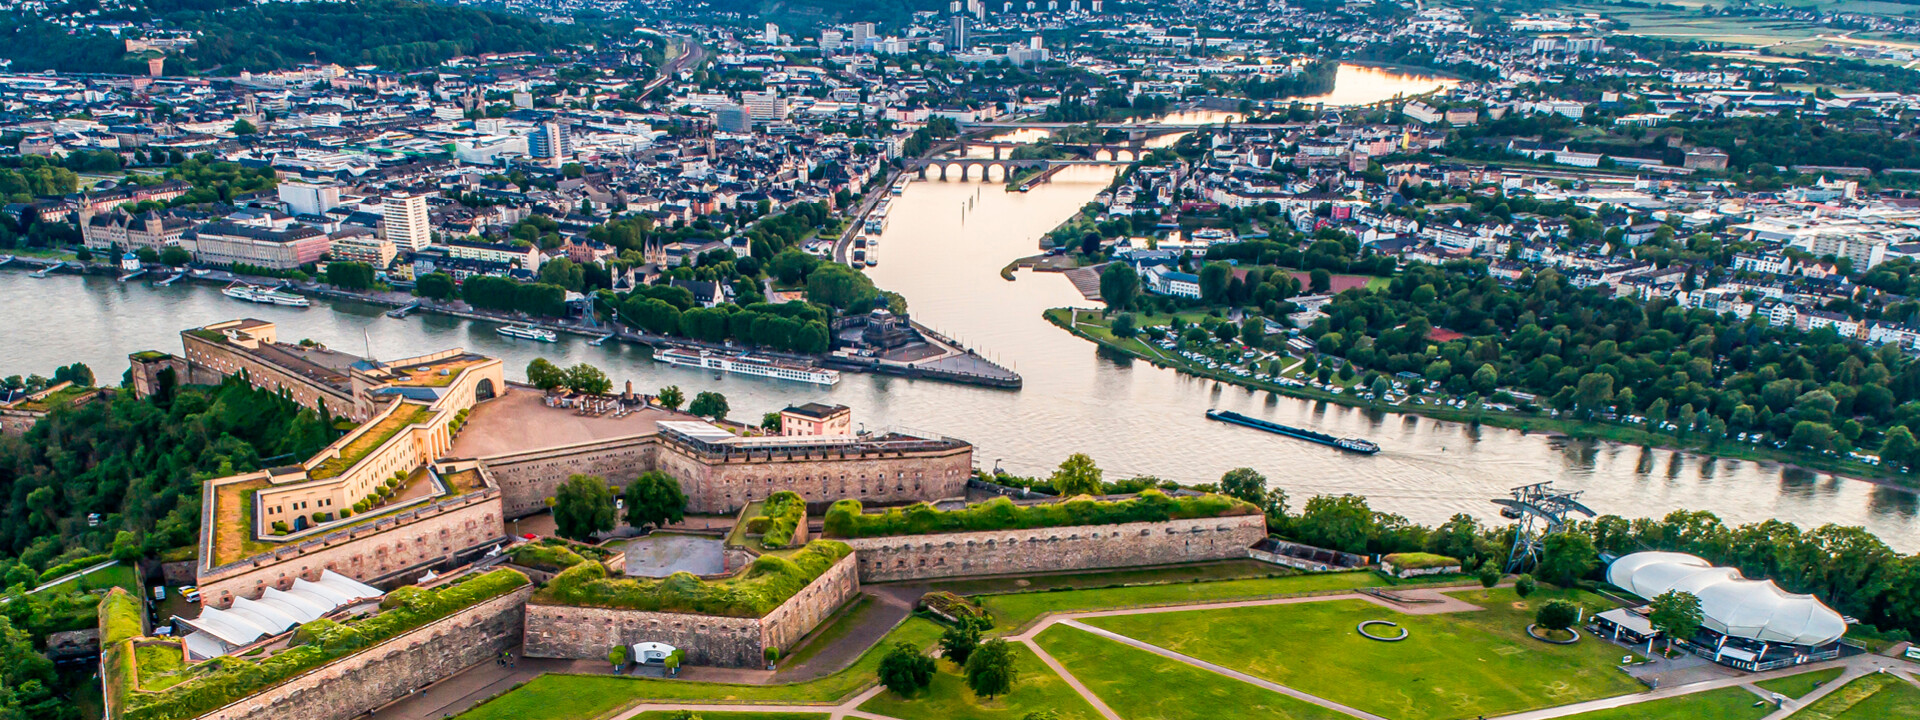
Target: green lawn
<point x="1177" y="691"/>
<point x="1019" y="609"/>
<point x="1724" y="704"/>
<point x="1197" y="572"/>
<point x="1874" y="697"/>
<point x="159" y="666"/>
<point x="704" y="715"/>
<point x="584" y="697"/>
<point x="1453" y="665"/>
<point x="1796" y="686"/>
<point x="120" y="575"/>
<point x="1034" y="688"/>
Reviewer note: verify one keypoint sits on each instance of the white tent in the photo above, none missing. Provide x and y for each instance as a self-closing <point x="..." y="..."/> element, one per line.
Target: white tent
<point x="217" y="632"/>
<point x="1731" y="605"/>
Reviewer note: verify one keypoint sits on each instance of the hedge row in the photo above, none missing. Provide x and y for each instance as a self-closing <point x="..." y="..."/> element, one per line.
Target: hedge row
<point x="767" y="583"/>
<point x="550" y="554"/>
<point x="845" y="519"/>
<point x="70" y="566"/>
<point x="1418" y="560"/>
<point x="220" y="681"/>
<point x="784" y="511"/>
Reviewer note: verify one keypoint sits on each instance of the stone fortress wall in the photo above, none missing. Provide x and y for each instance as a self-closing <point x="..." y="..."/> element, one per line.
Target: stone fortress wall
<point x="1055" y="549"/>
<point x="385" y="550"/>
<point x="564" y="631"/>
<point x="364" y="681"/>
<point x="527" y="479"/>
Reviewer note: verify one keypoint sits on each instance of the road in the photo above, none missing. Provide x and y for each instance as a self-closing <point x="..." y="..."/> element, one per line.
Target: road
<point x="692" y="56"/>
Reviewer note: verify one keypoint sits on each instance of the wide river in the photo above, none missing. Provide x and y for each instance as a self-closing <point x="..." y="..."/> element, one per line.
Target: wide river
<point x="1133" y="418"/>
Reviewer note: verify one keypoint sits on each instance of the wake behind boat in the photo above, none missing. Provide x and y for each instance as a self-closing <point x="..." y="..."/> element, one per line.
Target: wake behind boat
<point x="1352" y="445"/>
<point x="264" y="295"/>
<point x="528" y="332"/>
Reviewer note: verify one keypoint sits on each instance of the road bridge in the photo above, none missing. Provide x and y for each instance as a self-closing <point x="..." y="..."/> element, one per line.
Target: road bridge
<point x="990" y="169"/>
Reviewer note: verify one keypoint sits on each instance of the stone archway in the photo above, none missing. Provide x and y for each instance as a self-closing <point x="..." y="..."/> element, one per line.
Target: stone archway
<point x="484" y="390"/>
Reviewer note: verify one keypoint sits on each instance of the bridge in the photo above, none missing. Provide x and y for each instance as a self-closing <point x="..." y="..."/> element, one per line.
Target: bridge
<point x="991" y="169"/>
<point x="1082" y="151"/>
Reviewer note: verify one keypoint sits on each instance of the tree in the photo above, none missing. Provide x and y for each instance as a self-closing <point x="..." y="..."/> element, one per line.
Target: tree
<point x="1568" y="557"/>
<point x="126" y="546"/>
<point x="1338" y="522"/>
<point x="545" y="375"/>
<point x="1490" y="573"/>
<point x="1253" y="332"/>
<point x="1124" y="326"/>
<point x="655" y="499"/>
<point x="582" y="506"/>
<point x="1525" y="585"/>
<point x="905" y="670"/>
<point x="709" y="404"/>
<point x="770" y="421"/>
<point x="175" y="256"/>
<point x="242" y="127"/>
<point x="584" y="378"/>
<point x="1676" y="614"/>
<point x="1244" y="483"/>
<point x="27" y="681"/>
<point x="959" y="641"/>
<point x="1319" y="281"/>
<point x="1898" y="450"/>
<point x="1557" y="615"/>
<point x="437" y="286"/>
<point x="350" y="275"/>
<point x="617" y="656"/>
<point x="1214" y="278"/>
<point x="670" y="397"/>
<point x="990" y="669"/>
<point x="1119" y="286"/>
<point x="1077" y="475"/>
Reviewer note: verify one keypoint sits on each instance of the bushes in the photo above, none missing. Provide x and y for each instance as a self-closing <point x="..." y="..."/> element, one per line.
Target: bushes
<point x="70" y="566"/>
<point x="768" y="582"/>
<point x="120" y="617"/>
<point x="221" y="681"/>
<point x="551" y="554"/>
<point x="956" y="609"/>
<point x="845" y="518"/>
<point x="1418" y="561"/>
<point x="783" y="512"/>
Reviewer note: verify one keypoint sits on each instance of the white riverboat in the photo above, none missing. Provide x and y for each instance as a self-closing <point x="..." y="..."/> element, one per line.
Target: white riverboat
<point x="264" y="295"/>
<point x="746" y="364"/>
<point x="528" y="332"/>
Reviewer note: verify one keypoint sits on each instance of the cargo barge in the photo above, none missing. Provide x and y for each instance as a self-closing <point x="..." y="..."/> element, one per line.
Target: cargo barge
<point x="1352" y="445"/>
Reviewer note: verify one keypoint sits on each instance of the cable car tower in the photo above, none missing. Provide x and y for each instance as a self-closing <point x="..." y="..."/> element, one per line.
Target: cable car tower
<point x="1539" y="511"/>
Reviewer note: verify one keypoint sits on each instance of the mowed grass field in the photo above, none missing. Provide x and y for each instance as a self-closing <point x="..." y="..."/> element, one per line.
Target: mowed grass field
<point x="1452" y="665"/>
<point x="1036" y="687"/>
<point x="1723" y="704"/>
<point x="1017" y="610"/>
<point x="1796" y="686"/>
<point x="1140" y="685"/>
<point x="1874" y="697"/>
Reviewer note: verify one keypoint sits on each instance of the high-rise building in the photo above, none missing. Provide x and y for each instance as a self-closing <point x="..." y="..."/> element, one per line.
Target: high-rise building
<point x="550" y="143"/>
<point x="1096" y="5"/>
<point x="831" y="40"/>
<point x="733" y="118"/>
<point x="772" y="34"/>
<point x="862" y="34"/>
<point x="404" y="221"/>
<point x="765" y="106"/>
<point x="303" y="198"/>
<point x="957" y="32"/>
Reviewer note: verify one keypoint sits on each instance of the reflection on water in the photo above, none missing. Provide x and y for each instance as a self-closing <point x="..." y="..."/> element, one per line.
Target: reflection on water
<point x="1364" y="85"/>
<point x="1132" y="417"/>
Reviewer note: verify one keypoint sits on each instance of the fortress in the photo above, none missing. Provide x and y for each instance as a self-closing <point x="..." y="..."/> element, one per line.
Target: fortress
<point x="445" y="452"/>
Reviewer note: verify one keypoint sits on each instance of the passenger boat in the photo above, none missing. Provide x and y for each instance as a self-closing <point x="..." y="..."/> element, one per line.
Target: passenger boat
<point x="747" y="364"/>
<point x="1352" y="445"/>
<point x="528" y="332"/>
<point x="264" y="295"/>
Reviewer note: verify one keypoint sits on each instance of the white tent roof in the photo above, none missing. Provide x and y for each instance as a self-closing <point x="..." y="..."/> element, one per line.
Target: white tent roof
<point x="219" y="631"/>
<point x="1731" y="604"/>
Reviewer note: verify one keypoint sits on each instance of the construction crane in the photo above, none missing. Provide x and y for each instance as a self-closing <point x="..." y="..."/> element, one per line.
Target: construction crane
<point x="1539" y="511"/>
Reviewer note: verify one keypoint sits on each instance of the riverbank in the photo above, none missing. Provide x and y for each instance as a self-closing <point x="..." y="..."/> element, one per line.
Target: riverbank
<point x="1526" y="423"/>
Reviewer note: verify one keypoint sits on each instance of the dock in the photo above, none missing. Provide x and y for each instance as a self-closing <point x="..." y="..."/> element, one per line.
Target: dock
<point x="5" y="259"/>
<point x="603" y="339"/>
<point x="401" y="313"/>
<point x="169" y="281"/>
<point x="43" y="272"/>
<point x="132" y="275"/>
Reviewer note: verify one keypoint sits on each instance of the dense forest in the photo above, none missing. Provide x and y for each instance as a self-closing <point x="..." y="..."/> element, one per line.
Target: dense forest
<point x="139" y="464"/>
<point x="395" y="34"/>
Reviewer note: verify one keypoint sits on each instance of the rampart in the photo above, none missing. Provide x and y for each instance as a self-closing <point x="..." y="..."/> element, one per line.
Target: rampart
<point x="527" y="479"/>
<point x="1053" y="549"/>
<point x="362" y="682"/>
<point x="564" y="631"/>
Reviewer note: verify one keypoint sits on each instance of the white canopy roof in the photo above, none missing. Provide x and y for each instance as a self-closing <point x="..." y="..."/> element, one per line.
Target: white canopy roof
<point x="1731" y="605"/>
<point x="218" y="631"/>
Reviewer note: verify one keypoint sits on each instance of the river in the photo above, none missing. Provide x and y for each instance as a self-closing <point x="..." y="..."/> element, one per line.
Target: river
<point x="1133" y="418"/>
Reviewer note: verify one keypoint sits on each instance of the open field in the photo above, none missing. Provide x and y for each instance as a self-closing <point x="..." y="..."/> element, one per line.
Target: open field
<point x="1452" y="665"/>
<point x="1874" y="697"/>
<point x="582" y="697"/>
<point x="704" y="715"/>
<point x="1197" y="572"/>
<point x="1723" y="704"/>
<point x="1036" y="687"/>
<point x="1017" y="610"/>
<point x="1178" y="692"/>
<point x="1796" y="686"/>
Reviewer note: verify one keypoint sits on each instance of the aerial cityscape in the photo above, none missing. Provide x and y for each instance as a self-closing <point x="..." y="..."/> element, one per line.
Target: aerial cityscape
<point x="959" y="360"/>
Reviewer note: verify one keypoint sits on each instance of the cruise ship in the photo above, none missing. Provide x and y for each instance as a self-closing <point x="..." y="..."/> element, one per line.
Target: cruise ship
<point x="528" y="332"/>
<point x="745" y="364"/>
<point x="264" y="296"/>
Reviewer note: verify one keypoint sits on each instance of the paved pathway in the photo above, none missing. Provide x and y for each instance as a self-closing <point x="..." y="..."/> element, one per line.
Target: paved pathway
<point x="1229" y="672"/>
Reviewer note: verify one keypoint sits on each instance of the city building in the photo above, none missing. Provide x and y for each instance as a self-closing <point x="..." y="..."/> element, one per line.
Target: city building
<point x="305" y="198"/>
<point x="404" y="221"/>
